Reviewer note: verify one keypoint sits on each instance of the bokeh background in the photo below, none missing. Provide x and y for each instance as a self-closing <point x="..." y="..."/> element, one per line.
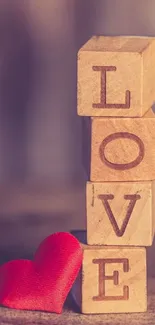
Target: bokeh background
<point x="42" y="180"/>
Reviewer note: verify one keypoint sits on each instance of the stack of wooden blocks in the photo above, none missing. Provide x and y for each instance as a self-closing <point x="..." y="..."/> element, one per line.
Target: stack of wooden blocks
<point x="116" y="90"/>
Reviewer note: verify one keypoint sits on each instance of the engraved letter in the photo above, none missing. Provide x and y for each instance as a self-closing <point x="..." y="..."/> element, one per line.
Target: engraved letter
<point x="103" y="103"/>
<point x="115" y="278"/>
<point x="124" y="135"/>
<point x="132" y="197"/>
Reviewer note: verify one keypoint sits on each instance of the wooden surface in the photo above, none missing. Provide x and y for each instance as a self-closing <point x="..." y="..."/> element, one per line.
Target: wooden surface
<point x="116" y="76"/>
<point x="71" y="315"/>
<point x="120" y="213"/>
<point x="122" y="149"/>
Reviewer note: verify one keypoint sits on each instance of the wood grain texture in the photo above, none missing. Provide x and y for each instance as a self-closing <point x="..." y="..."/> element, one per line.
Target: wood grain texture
<point x="120" y="213"/>
<point x="122" y="149"/>
<point x="112" y="280"/>
<point x="116" y="76"/>
<point x="71" y="315"/>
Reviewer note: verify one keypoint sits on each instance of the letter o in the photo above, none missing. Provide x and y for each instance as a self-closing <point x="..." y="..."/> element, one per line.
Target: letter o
<point x="125" y="135"/>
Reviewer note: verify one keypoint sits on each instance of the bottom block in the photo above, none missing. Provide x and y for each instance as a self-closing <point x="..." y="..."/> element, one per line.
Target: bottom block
<point x="112" y="279"/>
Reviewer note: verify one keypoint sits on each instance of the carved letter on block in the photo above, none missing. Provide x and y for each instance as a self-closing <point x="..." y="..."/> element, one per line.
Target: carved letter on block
<point x="122" y="135"/>
<point x="115" y="277"/>
<point x="116" y="76"/>
<point x="122" y="149"/>
<point x="120" y="213"/>
<point x="112" y="280"/>
<point x="103" y="103"/>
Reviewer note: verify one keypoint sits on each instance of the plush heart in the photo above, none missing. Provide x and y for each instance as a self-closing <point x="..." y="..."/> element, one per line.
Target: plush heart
<point x="42" y="284"/>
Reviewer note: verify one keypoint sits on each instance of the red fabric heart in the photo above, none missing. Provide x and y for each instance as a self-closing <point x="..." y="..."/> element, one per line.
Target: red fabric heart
<point x="42" y="284"/>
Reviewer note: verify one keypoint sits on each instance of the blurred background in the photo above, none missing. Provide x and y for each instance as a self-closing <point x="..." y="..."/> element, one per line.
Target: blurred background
<point x="42" y="180"/>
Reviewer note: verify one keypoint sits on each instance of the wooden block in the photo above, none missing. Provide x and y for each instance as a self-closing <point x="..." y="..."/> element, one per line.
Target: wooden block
<point x="86" y="145"/>
<point x="120" y="213"/>
<point x="116" y="76"/>
<point x="112" y="280"/>
<point x="122" y="149"/>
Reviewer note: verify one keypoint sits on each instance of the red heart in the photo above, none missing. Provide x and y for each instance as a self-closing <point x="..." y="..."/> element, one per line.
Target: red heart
<point x="42" y="284"/>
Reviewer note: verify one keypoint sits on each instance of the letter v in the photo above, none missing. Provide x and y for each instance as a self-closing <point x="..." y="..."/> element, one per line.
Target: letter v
<point x="132" y="197"/>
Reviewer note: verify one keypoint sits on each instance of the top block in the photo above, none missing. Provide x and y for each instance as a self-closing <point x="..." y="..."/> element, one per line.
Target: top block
<point x="116" y="76"/>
